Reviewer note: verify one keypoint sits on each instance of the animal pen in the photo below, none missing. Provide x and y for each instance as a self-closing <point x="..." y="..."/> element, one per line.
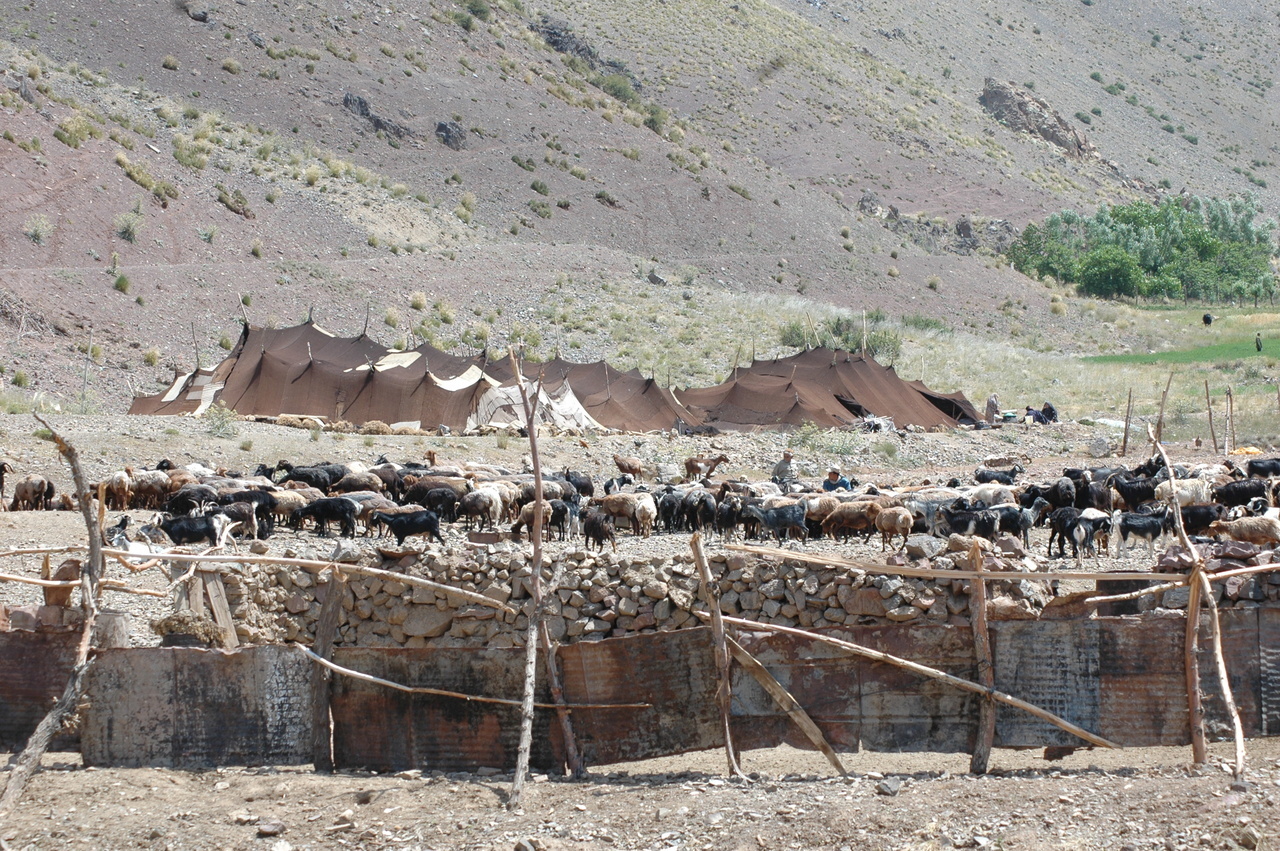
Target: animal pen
<point x="1098" y="668"/>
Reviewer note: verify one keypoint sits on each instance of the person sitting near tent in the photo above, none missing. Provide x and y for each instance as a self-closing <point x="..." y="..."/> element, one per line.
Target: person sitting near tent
<point x="782" y="471"/>
<point x="834" y="481"/>
<point x="1049" y="411"/>
<point x="1034" y="416"/>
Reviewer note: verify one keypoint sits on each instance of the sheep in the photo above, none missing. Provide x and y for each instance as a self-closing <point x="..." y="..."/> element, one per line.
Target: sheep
<point x="357" y="482"/>
<point x="646" y="514"/>
<point x="849" y="517"/>
<point x="1189" y="491"/>
<point x="991" y="494"/>
<point x="287" y="502"/>
<point x="32" y="492"/>
<point x="150" y="488"/>
<point x="1263" y="531"/>
<point x="119" y="489"/>
<point x="893" y="522"/>
<point x="483" y="504"/>
<point x="621" y="505"/>
<point x="698" y="467"/>
<point x="527" y="512"/>
<point x="630" y="466"/>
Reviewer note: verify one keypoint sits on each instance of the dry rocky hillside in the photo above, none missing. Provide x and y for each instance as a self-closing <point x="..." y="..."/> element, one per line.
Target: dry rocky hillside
<point x="174" y="167"/>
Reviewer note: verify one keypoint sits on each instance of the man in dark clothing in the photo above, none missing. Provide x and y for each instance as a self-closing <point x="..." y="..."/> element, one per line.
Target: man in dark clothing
<point x="1050" y="412"/>
<point x="1035" y="416"/>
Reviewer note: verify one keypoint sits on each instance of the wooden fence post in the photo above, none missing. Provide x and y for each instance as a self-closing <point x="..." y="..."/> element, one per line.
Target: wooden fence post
<point x="986" y="672"/>
<point x="1208" y="404"/>
<point x="1128" y="417"/>
<point x="326" y="630"/>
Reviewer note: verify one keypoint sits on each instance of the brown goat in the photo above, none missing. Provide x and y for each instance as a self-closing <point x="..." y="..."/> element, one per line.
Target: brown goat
<point x="631" y="466"/>
<point x="697" y="468"/>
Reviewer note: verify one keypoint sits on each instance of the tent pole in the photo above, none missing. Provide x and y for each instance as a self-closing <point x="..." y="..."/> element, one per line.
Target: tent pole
<point x="196" y="344"/>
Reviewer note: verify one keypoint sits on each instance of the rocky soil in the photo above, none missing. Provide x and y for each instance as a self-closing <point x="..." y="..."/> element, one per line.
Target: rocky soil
<point x="1142" y="798"/>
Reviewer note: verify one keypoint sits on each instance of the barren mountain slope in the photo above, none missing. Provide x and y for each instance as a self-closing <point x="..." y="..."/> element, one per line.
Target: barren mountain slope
<point x="316" y="124"/>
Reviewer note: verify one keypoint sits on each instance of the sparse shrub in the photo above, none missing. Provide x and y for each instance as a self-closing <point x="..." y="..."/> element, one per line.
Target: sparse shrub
<point x="221" y="420"/>
<point x="169" y="63"/>
<point x="892" y="272"/>
<point x="539" y="187"/>
<point x="122" y="284"/>
<point x="741" y="190"/>
<point x="246" y="299"/>
<point x="255" y="248"/>
<point x="151" y="357"/>
<point x="128" y="226"/>
<point x="20" y="379"/>
<point x="933" y="283"/>
<point x="38" y="228"/>
<point x="224" y="342"/>
<point x="231" y="66"/>
<point x="391" y="318"/>
<point x="1057" y="308"/>
<point x="207" y="233"/>
<point x="246" y="445"/>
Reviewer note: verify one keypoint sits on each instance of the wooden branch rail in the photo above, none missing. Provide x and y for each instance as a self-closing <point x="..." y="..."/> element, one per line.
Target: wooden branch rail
<point x="369" y="678"/>
<point x="925" y="671"/>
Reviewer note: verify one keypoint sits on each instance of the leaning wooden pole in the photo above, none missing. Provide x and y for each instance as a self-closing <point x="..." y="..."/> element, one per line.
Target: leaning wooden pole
<point x="986" y="671"/>
<point x="924" y="671"/>
<point x="1220" y="664"/>
<point x="1164" y="399"/>
<point x="786" y="702"/>
<point x="326" y="629"/>
<point x="1191" y="643"/>
<point x="29" y="760"/>
<point x="1208" y="404"/>
<point x="724" y="694"/>
<point x="1231" y="421"/>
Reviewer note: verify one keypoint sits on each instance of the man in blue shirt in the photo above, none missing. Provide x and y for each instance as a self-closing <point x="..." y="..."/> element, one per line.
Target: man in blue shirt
<point x="834" y="481"/>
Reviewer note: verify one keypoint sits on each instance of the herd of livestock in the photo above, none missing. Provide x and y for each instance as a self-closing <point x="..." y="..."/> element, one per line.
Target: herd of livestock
<point x="1084" y="507"/>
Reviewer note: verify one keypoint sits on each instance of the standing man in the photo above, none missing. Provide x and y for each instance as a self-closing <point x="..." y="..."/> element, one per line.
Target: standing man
<point x="993" y="408"/>
<point x="1257" y="341"/>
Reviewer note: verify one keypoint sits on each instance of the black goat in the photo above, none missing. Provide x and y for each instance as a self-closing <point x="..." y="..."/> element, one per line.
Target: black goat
<point x="1242" y="492"/>
<point x="981" y="523"/>
<point x="426" y="523"/>
<point x="985" y="476"/>
<point x="581" y="482"/>
<point x="598" y="528"/>
<point x="780" y="520"/>
<point x="335" y="508"/>
<point x="192" y="530"/>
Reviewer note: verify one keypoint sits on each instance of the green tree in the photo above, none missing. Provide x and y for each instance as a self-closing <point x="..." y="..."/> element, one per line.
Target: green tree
<point x="1109" y="272"/>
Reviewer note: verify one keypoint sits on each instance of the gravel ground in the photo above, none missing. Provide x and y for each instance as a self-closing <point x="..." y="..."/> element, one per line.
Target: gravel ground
<point x="1141" y="798"/>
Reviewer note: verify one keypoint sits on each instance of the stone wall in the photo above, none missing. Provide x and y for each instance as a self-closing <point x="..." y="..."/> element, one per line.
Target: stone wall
<point x="605" y="595"/>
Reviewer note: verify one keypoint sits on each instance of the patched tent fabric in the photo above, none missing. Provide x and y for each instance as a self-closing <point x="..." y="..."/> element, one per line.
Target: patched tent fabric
<point x="826" y="387"/>
<point x="501" y="406"/>
<point x="307" y="371"/>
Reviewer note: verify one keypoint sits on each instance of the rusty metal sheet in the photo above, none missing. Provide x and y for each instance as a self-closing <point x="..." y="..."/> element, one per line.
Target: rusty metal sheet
<point x="387" y="730"/>
<point x="34" y="669"/>
<point x="673" y="671"/>
<point x="1142" y="688"/>
<point x="1052" y="664"/>
<point x="194" y="708"/>
<point x="1269" y="670"/>
<point x="860" y="703"/>
<point x="820" y="677"/>
<point x="1244" y="672"/>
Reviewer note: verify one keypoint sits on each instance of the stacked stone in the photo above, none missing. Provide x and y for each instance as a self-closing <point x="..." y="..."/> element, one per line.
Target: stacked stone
<point x="1240" y="592"/>
<point x="607" y="595"/>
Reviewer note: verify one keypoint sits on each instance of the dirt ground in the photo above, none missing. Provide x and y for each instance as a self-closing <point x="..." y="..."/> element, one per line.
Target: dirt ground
<point x="1140" y="798"/>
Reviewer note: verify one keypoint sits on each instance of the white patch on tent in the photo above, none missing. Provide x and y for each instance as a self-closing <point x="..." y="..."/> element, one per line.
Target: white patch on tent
<point x="407" y="424"/>
<point x="500" y="406"/>
<point x="391" y="360"/>
<point x="176" y="387"/>
<point x="468" y="378"/>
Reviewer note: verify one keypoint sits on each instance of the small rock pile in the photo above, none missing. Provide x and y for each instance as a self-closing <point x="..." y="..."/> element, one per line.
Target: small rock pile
<point x="1240" y="592"/>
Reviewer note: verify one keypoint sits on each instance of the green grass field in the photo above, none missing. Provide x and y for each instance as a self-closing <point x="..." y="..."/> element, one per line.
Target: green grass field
<point x="1224" y="352"/>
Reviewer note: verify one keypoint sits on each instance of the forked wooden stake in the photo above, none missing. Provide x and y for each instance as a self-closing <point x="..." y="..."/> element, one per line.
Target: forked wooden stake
<point x="986" y="671"/>
<point x="724" y="694"/>
<point x="29" y="760"/>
